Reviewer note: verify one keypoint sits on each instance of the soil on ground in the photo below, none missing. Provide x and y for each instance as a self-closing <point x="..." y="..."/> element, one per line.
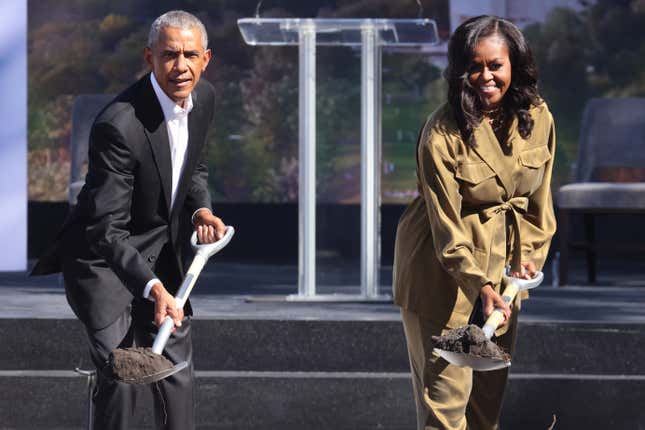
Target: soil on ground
<point x="133" y="364"/>
<point x="470" y="340"/>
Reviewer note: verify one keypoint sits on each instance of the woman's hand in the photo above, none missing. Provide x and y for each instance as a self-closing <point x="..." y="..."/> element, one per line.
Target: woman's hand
<point x="492" y="300"/>
<point x="529" y="270"/>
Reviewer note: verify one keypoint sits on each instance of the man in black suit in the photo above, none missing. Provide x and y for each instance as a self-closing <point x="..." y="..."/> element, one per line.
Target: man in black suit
<point x="120" y="250"/>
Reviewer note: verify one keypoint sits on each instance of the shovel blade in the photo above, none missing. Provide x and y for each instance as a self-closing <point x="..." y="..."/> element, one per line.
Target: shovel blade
<point x="480" y="364"/>
<point x="158" y="376"/>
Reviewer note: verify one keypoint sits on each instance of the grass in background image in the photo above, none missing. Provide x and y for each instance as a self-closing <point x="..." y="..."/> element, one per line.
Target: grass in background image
<point x="404" y="113"/>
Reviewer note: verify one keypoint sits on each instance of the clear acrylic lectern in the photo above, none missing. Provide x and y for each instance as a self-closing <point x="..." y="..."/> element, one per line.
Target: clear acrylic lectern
<point x="370" y="35"/>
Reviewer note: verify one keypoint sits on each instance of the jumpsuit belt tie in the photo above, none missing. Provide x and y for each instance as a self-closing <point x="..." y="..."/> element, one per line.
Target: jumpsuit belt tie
<point x="516" y="206"/>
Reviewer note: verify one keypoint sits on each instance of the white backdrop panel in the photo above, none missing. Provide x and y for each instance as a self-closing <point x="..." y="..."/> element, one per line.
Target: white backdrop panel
<point x="13" y="135"/>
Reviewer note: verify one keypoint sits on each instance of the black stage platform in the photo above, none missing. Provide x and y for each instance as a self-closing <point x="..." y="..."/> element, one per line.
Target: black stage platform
<point x="276" y="365"/>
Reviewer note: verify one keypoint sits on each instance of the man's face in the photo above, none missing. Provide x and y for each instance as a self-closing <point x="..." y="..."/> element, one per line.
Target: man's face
<point x="178" y="60"/>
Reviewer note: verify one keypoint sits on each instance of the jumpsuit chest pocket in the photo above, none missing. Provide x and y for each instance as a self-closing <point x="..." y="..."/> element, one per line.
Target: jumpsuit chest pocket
<point x="477" y="182"/>
<point x="533" y="162"/>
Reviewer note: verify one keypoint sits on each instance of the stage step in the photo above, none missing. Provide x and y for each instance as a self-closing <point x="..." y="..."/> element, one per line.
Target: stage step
<point x="340" y="374"/>
<point x="334" y="346"/>
<point x="326" y="400"/>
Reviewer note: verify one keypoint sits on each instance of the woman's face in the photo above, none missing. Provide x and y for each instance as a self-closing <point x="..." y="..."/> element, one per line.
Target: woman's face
<point x="489" y="71"/>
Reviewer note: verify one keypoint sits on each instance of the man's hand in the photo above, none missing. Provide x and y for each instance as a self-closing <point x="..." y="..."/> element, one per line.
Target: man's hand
<point x="209" y="228"/>
<point x="165" y="305"/>
<point x="492" y="300"/>
<point x="529" y="270"/>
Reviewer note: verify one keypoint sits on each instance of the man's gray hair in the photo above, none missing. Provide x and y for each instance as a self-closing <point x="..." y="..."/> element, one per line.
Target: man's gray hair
<point x="176" y="19"/>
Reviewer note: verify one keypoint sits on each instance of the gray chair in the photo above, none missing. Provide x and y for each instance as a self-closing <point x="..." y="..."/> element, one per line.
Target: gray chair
<point x="85" y="109"/>
<point x="609" y="176"/>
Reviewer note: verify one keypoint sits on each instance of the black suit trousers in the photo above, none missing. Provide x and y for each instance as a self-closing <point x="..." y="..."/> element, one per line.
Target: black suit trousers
<point x="114" y="402"/>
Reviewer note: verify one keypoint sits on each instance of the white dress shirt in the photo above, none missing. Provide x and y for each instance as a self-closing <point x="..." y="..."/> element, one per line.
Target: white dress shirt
<point x="176" y="118"/>
<point x="177" y="125"/>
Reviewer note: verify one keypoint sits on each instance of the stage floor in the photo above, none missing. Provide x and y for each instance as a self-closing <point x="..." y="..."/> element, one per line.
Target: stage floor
<point x="258" y="291"/>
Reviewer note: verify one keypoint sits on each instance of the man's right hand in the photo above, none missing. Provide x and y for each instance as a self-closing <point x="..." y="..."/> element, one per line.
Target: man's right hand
<point x="492" y="300"/>
<point x="165" y="305"/>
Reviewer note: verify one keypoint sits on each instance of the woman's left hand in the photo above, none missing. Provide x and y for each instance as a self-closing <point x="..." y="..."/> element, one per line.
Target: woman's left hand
<point x="529" y="270"/>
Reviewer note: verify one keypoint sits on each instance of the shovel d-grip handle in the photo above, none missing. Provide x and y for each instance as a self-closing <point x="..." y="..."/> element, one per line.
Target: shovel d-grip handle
<point x="202" y="254"/>
<point x="514" y="285"/>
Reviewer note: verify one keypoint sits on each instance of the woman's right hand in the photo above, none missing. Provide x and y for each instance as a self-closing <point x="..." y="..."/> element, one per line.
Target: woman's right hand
<point x="492" y="300"/>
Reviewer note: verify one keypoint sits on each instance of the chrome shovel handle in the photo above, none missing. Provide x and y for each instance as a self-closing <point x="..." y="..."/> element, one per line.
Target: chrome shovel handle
<point x="203" y="253"/>
<point x="527" y="284"/>
<point x="210" y="249"/>
<point x="163" y="335"/>
<point x="516" y="285"/>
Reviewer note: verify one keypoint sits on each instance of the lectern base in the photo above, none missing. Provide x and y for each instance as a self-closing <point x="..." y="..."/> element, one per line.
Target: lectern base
<point x="321" y="298"/>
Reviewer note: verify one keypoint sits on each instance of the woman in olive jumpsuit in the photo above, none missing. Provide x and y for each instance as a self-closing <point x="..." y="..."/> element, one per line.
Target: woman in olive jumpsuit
<point x="484" y="162"/>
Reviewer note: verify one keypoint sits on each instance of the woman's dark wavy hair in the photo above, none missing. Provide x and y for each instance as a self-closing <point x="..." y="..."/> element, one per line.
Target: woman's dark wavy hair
<point x="462" y="96"/>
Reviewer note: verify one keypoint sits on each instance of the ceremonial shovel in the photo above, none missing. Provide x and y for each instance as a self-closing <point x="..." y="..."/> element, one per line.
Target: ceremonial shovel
<point x="147" y="365"/>
<point x="462" y="356"/>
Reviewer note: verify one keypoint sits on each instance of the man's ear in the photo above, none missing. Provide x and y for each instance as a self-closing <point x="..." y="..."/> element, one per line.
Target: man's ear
<point x="147" y="55"/>
<point x="207" y="58"/>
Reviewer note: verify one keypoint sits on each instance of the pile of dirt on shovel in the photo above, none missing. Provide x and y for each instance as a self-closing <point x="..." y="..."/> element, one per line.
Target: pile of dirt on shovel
<point x="470" y="340"/>
<point x="133" y="364"/>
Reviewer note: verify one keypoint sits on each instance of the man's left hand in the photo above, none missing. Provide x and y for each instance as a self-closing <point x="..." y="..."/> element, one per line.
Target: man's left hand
<point x="209" y="228"/>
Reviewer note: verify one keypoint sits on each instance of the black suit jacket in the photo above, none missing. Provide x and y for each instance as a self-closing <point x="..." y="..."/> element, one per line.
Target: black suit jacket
<point x="110" y="245"/>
